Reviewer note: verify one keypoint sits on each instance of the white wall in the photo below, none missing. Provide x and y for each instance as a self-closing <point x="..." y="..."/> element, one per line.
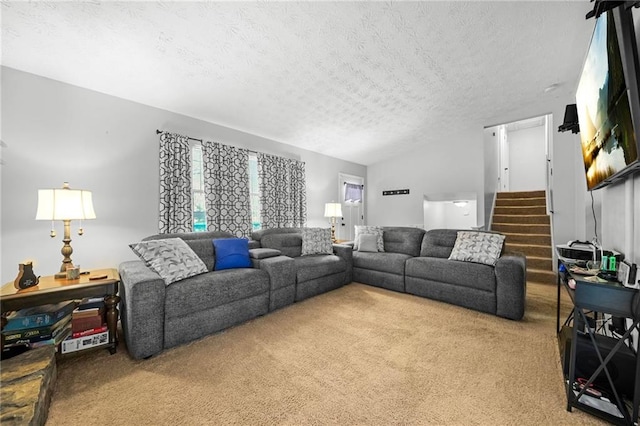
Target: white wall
<point x="621" y="217"/>
<point x="56" y="132"/>
<point x="527" y="160"/>
<point x="446" y="215"/>
<point x="448" y="166"/>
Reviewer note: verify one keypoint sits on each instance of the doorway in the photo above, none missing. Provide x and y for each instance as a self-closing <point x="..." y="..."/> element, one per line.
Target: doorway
<point x="524" y="155"/>
<point x="517" y="157"/>
<point x="352" y="197"/>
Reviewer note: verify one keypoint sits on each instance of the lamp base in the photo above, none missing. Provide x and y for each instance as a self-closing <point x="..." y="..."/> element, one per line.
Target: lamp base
<point x="60" y="275"/>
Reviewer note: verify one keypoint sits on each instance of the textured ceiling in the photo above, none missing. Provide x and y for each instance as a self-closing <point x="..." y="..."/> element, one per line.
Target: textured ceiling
<point x="360" y="81"/>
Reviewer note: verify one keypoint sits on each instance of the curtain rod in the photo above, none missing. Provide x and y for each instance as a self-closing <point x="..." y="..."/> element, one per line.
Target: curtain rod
<point x="188" y="137"/>
<point x="200" y="140"/>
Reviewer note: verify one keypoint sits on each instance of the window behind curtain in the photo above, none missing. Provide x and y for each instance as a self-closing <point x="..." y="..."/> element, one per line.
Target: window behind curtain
<point x="199" y="204"/>
<point x="199" y="207"/>
<point x="254" y="192"/>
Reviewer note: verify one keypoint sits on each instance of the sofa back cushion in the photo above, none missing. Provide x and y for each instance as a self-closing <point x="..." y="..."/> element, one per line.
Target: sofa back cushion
<point x="438" y="243"/>
<point x="405" y="240"/>
<point x="287" y="240"/>
<point x="288" y="244"/>
<point x="200" y="243"/>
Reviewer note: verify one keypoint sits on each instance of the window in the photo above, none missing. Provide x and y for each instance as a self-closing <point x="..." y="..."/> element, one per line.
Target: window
<point x="254" y="192"/>
<point x="199" y="199"/>
<point x="197" y="175"/>
<point x="353" y="192"/>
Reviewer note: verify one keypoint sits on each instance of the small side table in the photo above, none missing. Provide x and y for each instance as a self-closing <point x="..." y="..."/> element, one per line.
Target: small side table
<point x="52" y="290"/>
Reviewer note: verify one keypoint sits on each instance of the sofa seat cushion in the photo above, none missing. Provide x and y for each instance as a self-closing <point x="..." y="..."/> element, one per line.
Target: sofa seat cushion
<point x="465" y="274"/>
<point x="383" y="262"/>
<point x="213" y="289"/>
<point x="318" y="266"/>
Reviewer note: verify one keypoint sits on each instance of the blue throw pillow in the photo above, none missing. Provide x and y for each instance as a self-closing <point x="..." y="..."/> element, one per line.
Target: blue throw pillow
<point x="232" y="253"/>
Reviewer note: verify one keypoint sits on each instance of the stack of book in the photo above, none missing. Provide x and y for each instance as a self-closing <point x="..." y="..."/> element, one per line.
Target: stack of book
<point x="38" y="326"/>
<point x="87" y="326"/>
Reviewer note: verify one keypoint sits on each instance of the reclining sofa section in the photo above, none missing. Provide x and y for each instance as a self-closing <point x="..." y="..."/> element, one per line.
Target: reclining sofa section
<point x="156" y="316"/>
<point x="416" y="262"/>
<point x="314" y="274"/>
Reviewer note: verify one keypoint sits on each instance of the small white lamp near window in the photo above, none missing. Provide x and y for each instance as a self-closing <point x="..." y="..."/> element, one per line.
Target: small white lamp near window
<point x="333" y="210"/>
<point x="65" y="204"/>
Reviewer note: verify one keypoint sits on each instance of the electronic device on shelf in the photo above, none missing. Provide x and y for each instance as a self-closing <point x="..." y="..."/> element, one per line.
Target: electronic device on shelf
<point x="577" y="251"/>
<point x="627" y="274"/>
<point x="581" y="252"/>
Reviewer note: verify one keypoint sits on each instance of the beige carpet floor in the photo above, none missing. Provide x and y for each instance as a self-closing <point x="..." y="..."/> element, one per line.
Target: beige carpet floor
<point x="358" y="355"/>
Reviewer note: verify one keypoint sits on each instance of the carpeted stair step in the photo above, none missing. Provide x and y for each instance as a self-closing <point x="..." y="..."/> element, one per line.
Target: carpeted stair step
<point x="528" y="249"/>
<point x="522" y="194"/>
<point x="521" y="228"/>
<point x="520" y="210"/>
<point x="536" y="262"/>
<point x="535" y="219"/>
<point x="521" y="202"/>
<point x="517" y="238"/>
<point x="541" y="276"/>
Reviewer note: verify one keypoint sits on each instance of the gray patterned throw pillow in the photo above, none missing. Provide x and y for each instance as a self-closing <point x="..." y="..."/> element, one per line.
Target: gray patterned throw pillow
<point x="171" y="258"/>
<point x="363" y="229"/>
<point x="316" y="241"/>
<point x="478" y="247"/>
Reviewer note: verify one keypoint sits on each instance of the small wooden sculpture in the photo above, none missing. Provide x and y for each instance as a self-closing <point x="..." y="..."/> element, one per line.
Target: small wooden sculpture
<point x="26" y="278"/>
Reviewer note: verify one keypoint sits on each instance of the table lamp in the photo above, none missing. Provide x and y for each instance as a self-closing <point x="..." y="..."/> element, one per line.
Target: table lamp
<point x="65" y="204"/>
<point x="333" y="210"/>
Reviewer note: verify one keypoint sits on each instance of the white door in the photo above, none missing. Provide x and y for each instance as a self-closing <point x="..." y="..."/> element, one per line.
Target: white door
<point x="351" y="194"/>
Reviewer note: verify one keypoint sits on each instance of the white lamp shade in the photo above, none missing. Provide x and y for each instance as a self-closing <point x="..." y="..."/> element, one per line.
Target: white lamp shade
<point x="64" y="204"/>
<point x="333" y="210"/>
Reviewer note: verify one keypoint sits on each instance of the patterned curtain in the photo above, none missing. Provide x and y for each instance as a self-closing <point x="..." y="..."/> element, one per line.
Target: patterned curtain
<point x="283" y="192"/>
<point x="226" y="186"/>
<point x="175" y="184"/>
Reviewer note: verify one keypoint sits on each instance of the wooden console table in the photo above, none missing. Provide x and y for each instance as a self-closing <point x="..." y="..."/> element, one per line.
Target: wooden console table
<point x="51" y="290"/>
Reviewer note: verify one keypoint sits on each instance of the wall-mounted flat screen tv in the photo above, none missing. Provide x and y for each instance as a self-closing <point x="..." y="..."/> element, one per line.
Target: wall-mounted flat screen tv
<point x="607" y="100"/>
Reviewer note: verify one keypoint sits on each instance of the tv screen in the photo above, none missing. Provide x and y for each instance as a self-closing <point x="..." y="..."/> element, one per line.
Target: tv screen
<point x="606" y="100"/>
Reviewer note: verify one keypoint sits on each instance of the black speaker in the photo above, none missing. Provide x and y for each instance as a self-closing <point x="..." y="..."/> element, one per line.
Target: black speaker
<point x="570" y="119"/>
<point x="622" y="367"/>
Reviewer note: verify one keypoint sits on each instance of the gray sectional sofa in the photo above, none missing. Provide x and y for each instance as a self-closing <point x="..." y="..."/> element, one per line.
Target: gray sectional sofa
<point x="156" y="316"/>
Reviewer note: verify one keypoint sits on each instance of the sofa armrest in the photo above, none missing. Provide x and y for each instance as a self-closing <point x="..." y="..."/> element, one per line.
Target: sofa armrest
<point x="345" y="251"/>
<point x="511" y="286"/>
<point x="142" y="294"/>
<point x="263" y="253"/>
<point x="282" y="279"/>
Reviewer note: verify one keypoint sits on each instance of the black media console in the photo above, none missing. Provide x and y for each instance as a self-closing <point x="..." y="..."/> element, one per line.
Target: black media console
<point x="602" y="373"/>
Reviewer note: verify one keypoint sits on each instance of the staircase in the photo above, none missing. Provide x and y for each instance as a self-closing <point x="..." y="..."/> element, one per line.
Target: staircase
<point x="521" y="216"/>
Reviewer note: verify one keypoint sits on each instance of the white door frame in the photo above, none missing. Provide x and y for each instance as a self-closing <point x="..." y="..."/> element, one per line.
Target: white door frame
<point x="504" y="159"/>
